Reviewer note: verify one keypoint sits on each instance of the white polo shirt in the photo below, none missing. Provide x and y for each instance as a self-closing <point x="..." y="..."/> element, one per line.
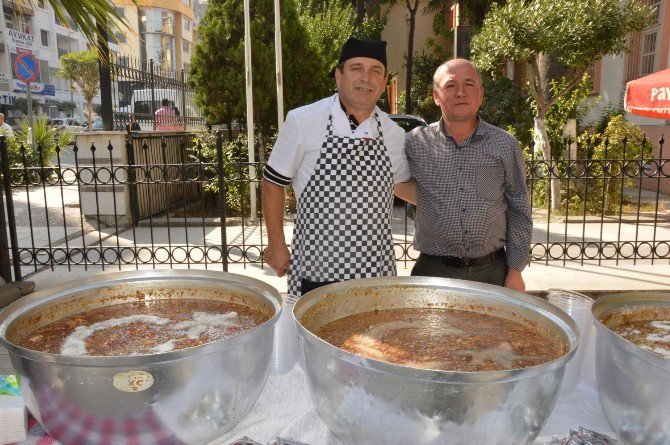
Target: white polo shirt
<point x="297" y="150"/>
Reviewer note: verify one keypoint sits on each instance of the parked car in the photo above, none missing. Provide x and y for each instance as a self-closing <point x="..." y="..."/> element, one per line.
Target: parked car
<point x="96" y="125"/>
<point x="407" y="121"/>
<point x="69" y="124"/>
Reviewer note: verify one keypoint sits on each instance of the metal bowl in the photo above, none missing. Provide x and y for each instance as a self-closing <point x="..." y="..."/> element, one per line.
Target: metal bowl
<point x="365" y="401"/>
<point x="632" y="382"/>
<point x="186" y="396"/>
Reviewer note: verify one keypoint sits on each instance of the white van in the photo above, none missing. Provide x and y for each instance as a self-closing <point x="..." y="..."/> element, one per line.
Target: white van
<point x="145" y="102"/>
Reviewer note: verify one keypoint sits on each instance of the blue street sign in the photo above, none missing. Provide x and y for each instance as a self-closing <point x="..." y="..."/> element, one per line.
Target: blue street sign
<point x="26" y="67"/>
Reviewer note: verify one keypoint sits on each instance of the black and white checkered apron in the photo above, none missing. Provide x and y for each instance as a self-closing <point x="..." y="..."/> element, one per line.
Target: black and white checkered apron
<point x="343" y="223"/>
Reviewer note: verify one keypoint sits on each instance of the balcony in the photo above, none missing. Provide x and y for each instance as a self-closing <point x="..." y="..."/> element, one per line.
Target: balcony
<point x="21" y="7"/>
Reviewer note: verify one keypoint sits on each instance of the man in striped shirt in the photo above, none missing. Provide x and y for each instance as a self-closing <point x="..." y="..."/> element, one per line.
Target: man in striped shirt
<point x="473" y="217"/>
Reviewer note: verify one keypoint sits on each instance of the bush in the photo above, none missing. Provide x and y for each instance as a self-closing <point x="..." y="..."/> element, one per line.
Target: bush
<point x="23" y="153"/>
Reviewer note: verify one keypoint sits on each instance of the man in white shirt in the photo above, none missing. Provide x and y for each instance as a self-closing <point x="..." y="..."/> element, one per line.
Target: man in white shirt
<point x="344" y="156"/>
<point x="5" y="129"/>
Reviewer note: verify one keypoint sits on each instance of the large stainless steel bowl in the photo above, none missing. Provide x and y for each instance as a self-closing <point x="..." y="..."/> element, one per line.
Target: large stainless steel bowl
<point x="633" y="384"/>
<point x="365" y="401"/>
<point x="187" y="396"/>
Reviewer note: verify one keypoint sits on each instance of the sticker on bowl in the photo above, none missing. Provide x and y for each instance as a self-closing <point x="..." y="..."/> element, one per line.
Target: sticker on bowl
<point x="133" y="381"/>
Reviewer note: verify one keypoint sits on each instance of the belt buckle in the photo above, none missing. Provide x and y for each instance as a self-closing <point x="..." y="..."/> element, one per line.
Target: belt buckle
<point x="461" y="262"/>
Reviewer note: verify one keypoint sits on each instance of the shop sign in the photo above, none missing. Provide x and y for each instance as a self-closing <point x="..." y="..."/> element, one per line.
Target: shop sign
<point x="19" y="40"/>
<point x="35" y="88"/>
<point x="7" y="98"/>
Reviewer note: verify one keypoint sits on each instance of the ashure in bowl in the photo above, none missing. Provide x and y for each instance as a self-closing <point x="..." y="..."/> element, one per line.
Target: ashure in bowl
<point x="633" y="364"/>
<point x="396" y="389"/>
<point x="169" y="357"/>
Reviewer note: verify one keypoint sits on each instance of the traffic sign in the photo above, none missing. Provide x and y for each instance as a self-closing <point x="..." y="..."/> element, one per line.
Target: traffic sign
<point x="26" y="67"/>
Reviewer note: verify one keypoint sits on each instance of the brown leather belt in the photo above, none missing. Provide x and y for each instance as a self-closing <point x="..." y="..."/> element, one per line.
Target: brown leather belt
<point x="463" y="262"/>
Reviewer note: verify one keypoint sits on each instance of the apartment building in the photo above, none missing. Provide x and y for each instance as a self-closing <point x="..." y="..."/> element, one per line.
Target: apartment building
<point x="37" y="31"/>
<point x="162" y="30"/>
<point x="649" y="53"/>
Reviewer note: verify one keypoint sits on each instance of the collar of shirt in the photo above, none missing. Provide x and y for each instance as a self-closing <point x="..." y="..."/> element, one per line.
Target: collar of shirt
<point x="482" y="128"/>
<point x="366" y="129"/>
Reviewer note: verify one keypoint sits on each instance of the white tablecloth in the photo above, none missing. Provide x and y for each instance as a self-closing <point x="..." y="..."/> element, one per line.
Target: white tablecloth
<point x="285" y="409"/>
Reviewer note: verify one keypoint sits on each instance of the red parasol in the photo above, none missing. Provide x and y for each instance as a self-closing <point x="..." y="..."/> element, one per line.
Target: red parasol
<point x="649" y="96"/>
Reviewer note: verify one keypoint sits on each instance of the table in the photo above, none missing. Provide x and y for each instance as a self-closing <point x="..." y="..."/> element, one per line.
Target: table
<point x="285" y="409"/>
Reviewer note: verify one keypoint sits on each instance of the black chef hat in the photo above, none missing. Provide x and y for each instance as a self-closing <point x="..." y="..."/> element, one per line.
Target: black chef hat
<point x="374" y="49"/>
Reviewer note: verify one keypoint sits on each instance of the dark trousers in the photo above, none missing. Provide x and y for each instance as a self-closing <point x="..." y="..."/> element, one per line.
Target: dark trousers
<point x="491" y="273"/>
<point x="306" y="285"/>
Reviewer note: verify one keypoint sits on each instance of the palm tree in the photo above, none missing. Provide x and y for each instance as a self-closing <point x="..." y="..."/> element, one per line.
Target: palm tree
<point x="95" y="18"/>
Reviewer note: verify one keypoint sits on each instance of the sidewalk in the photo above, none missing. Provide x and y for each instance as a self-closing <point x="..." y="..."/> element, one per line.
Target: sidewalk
<point x="591" y="279"/>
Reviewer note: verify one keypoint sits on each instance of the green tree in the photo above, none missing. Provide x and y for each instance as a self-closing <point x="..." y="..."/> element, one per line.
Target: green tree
<point x="328" y="26"/>
<point x="217" y="66"/>
<point x="81" y="67"/>
<point x="619" y="154"/>
<point x="573" y="32"/>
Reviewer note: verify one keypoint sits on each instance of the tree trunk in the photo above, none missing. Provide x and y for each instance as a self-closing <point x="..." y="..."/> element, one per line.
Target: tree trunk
<point x="89" y="112"/>
<point x="360" y="11"/>
<point x="410" y="54"/>
<point x="537" y="71"/>
<point x="541" y="139"/>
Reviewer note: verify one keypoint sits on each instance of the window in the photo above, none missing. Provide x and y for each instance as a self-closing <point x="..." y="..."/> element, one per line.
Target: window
<point x="644" y="45"/>
<point x="45" y="37"/>
<point x="120" y="11"/>
<point x="648" y="53"/>
<point x="655" y="16"/>
<point x="187" y="24"/>
<point x="186" y="46"/>
<point x="45" y="74"/>
<point x="120" y="37"/>
<point x="122" y="61"/>
<point x="187" y="2"/>
<point x="9" y="21"/>
<point x="58" y="82"/>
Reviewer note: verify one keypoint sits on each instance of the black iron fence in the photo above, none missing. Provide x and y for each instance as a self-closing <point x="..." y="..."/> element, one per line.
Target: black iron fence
<point x="139" y="89"/>
<point x="170" y="200"/>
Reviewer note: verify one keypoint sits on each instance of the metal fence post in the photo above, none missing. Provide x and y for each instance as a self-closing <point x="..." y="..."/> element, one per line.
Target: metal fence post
<point x="105" y="81"/>
<point x="132" y="179"/>
<point x="222" y="199"/>
<point x="153" y="92"/>
<point x="184" y="111"/>
<point x="7" y="188"/>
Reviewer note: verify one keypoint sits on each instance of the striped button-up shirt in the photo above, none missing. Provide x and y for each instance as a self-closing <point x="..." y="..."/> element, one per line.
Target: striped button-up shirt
<point x="471" y="198"/>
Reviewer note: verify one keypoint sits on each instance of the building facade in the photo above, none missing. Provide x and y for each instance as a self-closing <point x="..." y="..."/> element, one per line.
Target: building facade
<point x="649" y="53"/>
<point x="36" y="30"/>
<point x="161" y="30"/>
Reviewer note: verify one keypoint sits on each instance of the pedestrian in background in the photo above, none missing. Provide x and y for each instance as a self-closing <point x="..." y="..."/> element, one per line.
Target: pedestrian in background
<point x="165" y="116"/>
<point x="343" y="156"/>
<point x="473" y="216"/>
<point x="5" y="128"/>
<point x="133" y="125"/>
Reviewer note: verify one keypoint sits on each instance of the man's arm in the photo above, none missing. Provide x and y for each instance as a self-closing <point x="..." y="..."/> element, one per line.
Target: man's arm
<point x="519" y="219"/>
<point x="276" y="254"/>
<point x="406" y="191"/>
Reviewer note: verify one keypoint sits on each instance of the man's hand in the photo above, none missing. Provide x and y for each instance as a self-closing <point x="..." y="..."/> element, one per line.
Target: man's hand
<point x="514" y="280"/>
<point x="278" y="258"/>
